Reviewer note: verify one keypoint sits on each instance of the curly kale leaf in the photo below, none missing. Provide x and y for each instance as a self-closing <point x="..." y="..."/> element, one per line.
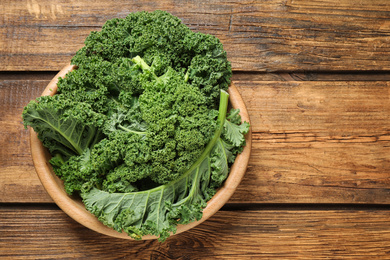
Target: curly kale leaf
<point x="157" y="211"/>
<point x="179" y="122"/>
<point x="163" y="42"/>
<point x="75" y="172"/>
<point x="157" y="135"/>
<point x="66" y="127"/>
<point x="126" y="119"/>
<point x="235" y="132"/>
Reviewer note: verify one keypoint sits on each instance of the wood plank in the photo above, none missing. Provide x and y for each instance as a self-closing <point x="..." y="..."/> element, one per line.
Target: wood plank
<point x="336" y="108"/>
<point x="18" y="182"/>
<point x="286" y="234"/>
<point x="258" y="36"/>
<point x="309" y="76"/>
<point x="317" y="142"/>
<point x="313" y="142"/>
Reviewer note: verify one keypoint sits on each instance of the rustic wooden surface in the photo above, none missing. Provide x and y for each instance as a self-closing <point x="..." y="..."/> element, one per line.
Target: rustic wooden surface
<point x="315" y="78"/>
<point x="267" y="35"/>
<point x="255" y="234"/>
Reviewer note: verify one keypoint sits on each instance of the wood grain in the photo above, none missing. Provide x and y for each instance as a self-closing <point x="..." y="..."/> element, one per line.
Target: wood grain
<point x="315" y="77"/>
<point x="265" y="35"/>
<point x="18" y="182"/>
<point x="317" y="142"/>
<point x="293" y="234"/>
<point x="313" y="142"/>
<point x="307" y="76"/>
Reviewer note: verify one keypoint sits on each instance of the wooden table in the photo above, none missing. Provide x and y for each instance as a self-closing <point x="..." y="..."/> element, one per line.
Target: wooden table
<point x="315" y="78"/>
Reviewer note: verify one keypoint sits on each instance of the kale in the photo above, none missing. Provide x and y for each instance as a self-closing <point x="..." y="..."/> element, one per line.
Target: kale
<point x="140" y="129"/>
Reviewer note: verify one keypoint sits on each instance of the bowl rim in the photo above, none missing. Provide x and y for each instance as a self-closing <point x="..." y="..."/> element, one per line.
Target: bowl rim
<point x="76" y="209"/>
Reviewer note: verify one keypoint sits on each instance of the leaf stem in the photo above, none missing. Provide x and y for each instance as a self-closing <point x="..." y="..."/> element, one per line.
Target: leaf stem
<point x="131" y="131"/>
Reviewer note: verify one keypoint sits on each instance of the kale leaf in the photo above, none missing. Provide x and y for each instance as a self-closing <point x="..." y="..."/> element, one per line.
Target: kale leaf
<point x="159" y="210"/>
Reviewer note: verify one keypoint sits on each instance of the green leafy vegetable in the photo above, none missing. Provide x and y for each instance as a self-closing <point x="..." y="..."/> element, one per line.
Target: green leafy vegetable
<point x="65" y="127"/>
<point x="179" y="201"/>
<point x="140" y="129"/>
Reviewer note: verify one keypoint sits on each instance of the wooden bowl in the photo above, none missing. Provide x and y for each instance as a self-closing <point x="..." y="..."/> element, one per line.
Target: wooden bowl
<point x="74" y="207"/>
